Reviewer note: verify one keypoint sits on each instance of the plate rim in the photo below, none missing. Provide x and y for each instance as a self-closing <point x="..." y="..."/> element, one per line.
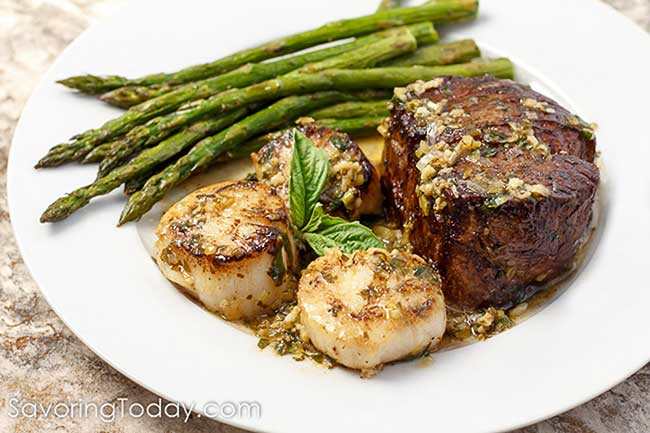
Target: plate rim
<point x="105" y="357"/>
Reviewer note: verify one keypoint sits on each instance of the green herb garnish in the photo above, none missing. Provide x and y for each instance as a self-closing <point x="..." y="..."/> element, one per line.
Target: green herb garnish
<point x="339" y="142"/>
<point x="278" y="268"/>
<point x="309" y="169"/>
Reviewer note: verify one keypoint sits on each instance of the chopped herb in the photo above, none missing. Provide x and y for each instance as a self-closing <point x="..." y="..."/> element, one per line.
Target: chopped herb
<point x="278" y="268"/>
<point x="492" y="136"/>
<point x="267" y="154"/>
<point x="488" y="151"/>
<point x="339" y="142"/>
<point x="497" y="200"/>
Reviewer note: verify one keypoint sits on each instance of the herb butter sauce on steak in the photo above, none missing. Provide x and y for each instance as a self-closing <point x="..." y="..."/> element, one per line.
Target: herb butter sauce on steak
<point x="494" y="182"/>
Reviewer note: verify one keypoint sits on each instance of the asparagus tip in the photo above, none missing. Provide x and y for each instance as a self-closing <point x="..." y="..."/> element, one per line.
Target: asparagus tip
<point x="129" y="213"/>
<point x="106" y="166"/>
<point x="65" y="206"/>
<point x="47" y="218"/>
<point x="55" y="212"/>
<point x="91" y="84"/>
<point x="54" y="159"/>
<point x="47" y="161"/>
<point x="124" y="219"/>
<point x="116" y="99"/>
<point x="84" y="83"/>
<point x="90" y="158"/>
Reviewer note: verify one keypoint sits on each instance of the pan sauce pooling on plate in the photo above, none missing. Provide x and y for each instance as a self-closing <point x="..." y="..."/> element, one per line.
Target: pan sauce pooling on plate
<point x="490" y="181"/>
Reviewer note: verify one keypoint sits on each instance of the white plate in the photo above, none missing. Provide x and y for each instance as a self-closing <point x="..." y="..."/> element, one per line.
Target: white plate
<point x="102" y="283"/>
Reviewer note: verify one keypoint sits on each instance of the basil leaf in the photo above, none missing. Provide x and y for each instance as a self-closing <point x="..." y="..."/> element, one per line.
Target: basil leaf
<point x="348" y="236"/>
<point x="319" y="243"/>
<point x="315" y="219"/>
<point x="328" y="221"/>
<point x="309" y="169"/>
<point x="352" y="236"/>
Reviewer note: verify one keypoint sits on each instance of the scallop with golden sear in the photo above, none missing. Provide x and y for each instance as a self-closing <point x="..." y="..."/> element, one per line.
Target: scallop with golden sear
<point x="371" y="307"/>
<point x="231" y="247"/>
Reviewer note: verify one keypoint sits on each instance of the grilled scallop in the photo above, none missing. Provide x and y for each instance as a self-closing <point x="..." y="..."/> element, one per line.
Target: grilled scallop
<point x="352" y="188"/>
<point x="371" y="307"/>
<point x="229" y="245"/>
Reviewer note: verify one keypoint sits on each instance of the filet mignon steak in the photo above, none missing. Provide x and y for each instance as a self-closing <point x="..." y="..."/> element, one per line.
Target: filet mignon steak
<point x="494" y="182"/>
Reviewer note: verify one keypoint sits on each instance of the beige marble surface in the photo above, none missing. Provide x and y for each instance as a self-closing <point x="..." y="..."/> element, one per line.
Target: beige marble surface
<point x="40" y="360"/>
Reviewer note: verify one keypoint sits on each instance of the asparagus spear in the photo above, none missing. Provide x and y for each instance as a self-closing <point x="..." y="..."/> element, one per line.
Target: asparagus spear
<point x="136" y="184"/>
<point x="249" y="74"/>
<point x="98" y="153"/>
<point x="334" y="117"/>
<point x="374" y="106"/>
<point x="143" y="136"/>
<point x="272" y="117"/>
<point x="249" y="147"/>
<point x="440" y="54"/>
<point x="66" y="205"/>
<point x="117" y="155"/>
<point x="296" y="83"/>
<point x="423" y="32"/>
<point x="431" y="55"/>
<point x="130" y="96"/>
<point x="209" y="149"/>
<point x="355" y="127"/>
<point x="139" y="138"/>
<point x="356" y="109"/>
<point x="440" y="11"/>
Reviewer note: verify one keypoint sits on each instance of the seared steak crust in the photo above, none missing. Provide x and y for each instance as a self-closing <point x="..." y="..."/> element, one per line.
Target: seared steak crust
<point x="513" y="208"/>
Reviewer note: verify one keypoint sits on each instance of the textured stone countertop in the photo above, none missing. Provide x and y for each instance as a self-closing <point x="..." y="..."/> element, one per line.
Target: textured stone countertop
<point x="40" y="359"/>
